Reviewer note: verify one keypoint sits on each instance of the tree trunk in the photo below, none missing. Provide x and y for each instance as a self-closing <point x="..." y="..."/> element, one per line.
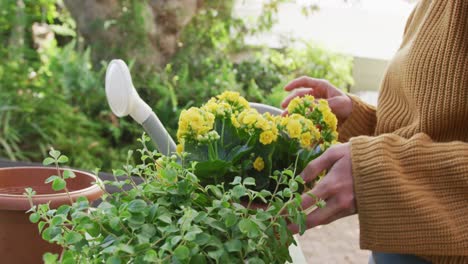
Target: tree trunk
<point x="144" y="31"/>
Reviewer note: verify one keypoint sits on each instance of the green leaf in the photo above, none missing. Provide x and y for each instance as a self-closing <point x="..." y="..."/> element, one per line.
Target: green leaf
<point x="57" y="220"/>
<point x="151" y="256"/>
<point x="62" y="159"/>
<point x="114" y="223"/>
<point x="230" y="219"/>
<point x="166" y="218"/>
<point x="207" y="169"/>
<point x="216" y="254"/>
<point x="126" y="248"/>
<point x="34" y="217"/>
<point x="48" y="161"/>
<point x="175" y="240"/>
<point x="249" y="181"/>
<point x="118" y="172"/>
<point x="50" y="258"/>
<point x="51" y="179"/>
<point x="68" y="174"/>
<point x="255" y="260"/>
<point x="41" y="226"/>
<point x="68" y="257"/>
<point x="238" y="152"/>
<point x="216" y="191"/>
<point x="238" y="191"/>
<point x="248" y="227"/>
<point x="182" y="252"/>
<point x="58" y="184"/>
<point x="136" y="206"/>
<point x="293" y="185"/>
<point x="50" y="233"/>
<point x="114" y="260"/>
<point x="198" y="259"/>
<point x="73" y="237"/>
<point x="233" y="245"/>
<point x="54" y="153"/>
<point x="237" y="180"/>
<point x="191" y="235"/>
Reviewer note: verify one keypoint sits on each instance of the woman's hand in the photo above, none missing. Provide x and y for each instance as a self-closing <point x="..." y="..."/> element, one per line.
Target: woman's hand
<point x="339" y="102"/>
<point x="336" y="188"/>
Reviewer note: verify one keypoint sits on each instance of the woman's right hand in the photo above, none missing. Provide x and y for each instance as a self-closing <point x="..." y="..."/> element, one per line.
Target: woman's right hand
<point x="339" y="102"/>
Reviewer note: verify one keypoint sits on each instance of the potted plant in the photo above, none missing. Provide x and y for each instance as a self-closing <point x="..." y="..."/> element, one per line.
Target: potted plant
<point x="20" y="241"/>
<point x="196" y="207"/>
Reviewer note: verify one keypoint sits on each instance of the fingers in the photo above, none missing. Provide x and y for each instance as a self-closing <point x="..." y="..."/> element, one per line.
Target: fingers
<point x="341" y="106"/>
<point x="319" y="216"/>
<point x="304" y="81"/>
<point x="296" y="93"/>
<point x="321" y="191"/>
<point x="323" y="162"/>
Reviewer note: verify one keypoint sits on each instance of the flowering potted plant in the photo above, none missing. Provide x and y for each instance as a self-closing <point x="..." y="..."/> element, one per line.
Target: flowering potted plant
<point x="191" y="208"/>
<point x="228" y="138"/>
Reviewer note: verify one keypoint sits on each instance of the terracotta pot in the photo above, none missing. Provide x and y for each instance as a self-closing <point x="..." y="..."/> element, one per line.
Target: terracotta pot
<point x="20" y="241"/>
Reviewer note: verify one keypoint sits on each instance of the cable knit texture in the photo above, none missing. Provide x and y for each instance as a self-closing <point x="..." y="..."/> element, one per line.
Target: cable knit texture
<point x="411" y="166"/>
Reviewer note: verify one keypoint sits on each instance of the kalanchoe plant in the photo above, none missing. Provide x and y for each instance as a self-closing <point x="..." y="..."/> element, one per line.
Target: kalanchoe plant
<point x="169" y="217"/>
<point x="228" y="138"/>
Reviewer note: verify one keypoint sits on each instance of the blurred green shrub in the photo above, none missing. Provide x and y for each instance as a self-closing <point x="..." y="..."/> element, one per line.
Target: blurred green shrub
<point x="54" y="96"/>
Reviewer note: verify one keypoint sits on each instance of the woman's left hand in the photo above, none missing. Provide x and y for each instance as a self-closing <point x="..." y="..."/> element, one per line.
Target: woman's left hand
<point x="336" y="188"/>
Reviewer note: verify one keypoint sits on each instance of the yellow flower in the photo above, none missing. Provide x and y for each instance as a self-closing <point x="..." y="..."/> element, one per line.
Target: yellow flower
<point x="259" y="164"/>
<point x="180" y="148"/>
<point x="266" y="137"/>
<point x="330" y="120"/>
<point x="294" y="104"/>
<point x="194" y="122"/>
<point x="306" y="140"/>
<point x="242" y="102"/>
<point x="309" y="100"/>
<point x="323" y="105"/>
<point x="248" y="117"/>
<point x="315" y="133"/>
<point x="229" y="96"/>
<point x="211" y="106"/>
<point x="294" y="128"/>
<point x="262" y="123"/>
<point x="234" y="121"/>
<point x="234" y="99"/>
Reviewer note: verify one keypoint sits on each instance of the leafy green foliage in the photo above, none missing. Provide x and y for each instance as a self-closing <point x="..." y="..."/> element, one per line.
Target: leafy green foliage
<point x="53" y="95"/>
<point x="171" y="218"/>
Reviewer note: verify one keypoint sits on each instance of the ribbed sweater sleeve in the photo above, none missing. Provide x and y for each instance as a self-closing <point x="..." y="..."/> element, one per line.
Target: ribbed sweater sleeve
<point x="361" y="122"/>
<point x="412" y="194"/>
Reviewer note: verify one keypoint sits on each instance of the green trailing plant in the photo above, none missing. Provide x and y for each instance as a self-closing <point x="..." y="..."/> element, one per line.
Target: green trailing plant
<point x="171" y="218"/>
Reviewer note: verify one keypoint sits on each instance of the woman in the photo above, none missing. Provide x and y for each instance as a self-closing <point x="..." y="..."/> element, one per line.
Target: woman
<point x="404" y="166"/>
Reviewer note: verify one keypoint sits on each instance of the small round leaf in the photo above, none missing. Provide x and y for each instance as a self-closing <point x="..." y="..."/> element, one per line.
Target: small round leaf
<point x="58" y="184"/>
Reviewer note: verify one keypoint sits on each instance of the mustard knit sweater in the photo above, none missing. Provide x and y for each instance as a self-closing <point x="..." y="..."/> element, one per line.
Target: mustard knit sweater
<point x="410" y="155"/>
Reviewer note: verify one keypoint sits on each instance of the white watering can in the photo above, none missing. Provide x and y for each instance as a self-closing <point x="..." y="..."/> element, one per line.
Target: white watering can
<point x="124" y="100"/>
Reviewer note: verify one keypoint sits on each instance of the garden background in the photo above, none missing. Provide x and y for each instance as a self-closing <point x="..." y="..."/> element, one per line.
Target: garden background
<point x="181" y="52"/>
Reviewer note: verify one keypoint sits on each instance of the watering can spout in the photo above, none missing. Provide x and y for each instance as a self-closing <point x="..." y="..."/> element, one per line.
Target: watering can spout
<point x="124" y="100"/>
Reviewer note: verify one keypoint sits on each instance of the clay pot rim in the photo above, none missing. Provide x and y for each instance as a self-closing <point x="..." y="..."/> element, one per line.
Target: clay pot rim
<point x="22" y="203"/>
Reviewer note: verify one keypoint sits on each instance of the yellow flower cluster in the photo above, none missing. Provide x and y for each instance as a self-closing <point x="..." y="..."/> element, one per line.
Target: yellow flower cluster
<point x="328" y="117"/>
<point x="194" y="122"/>
<point x="234" y="99"/>
<point x="301" y="105"/>
<point x="300" y="128"/>
<point x="259" y="164"/>
<point x="252" y="121"/>
<point x="227" y="103"/>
